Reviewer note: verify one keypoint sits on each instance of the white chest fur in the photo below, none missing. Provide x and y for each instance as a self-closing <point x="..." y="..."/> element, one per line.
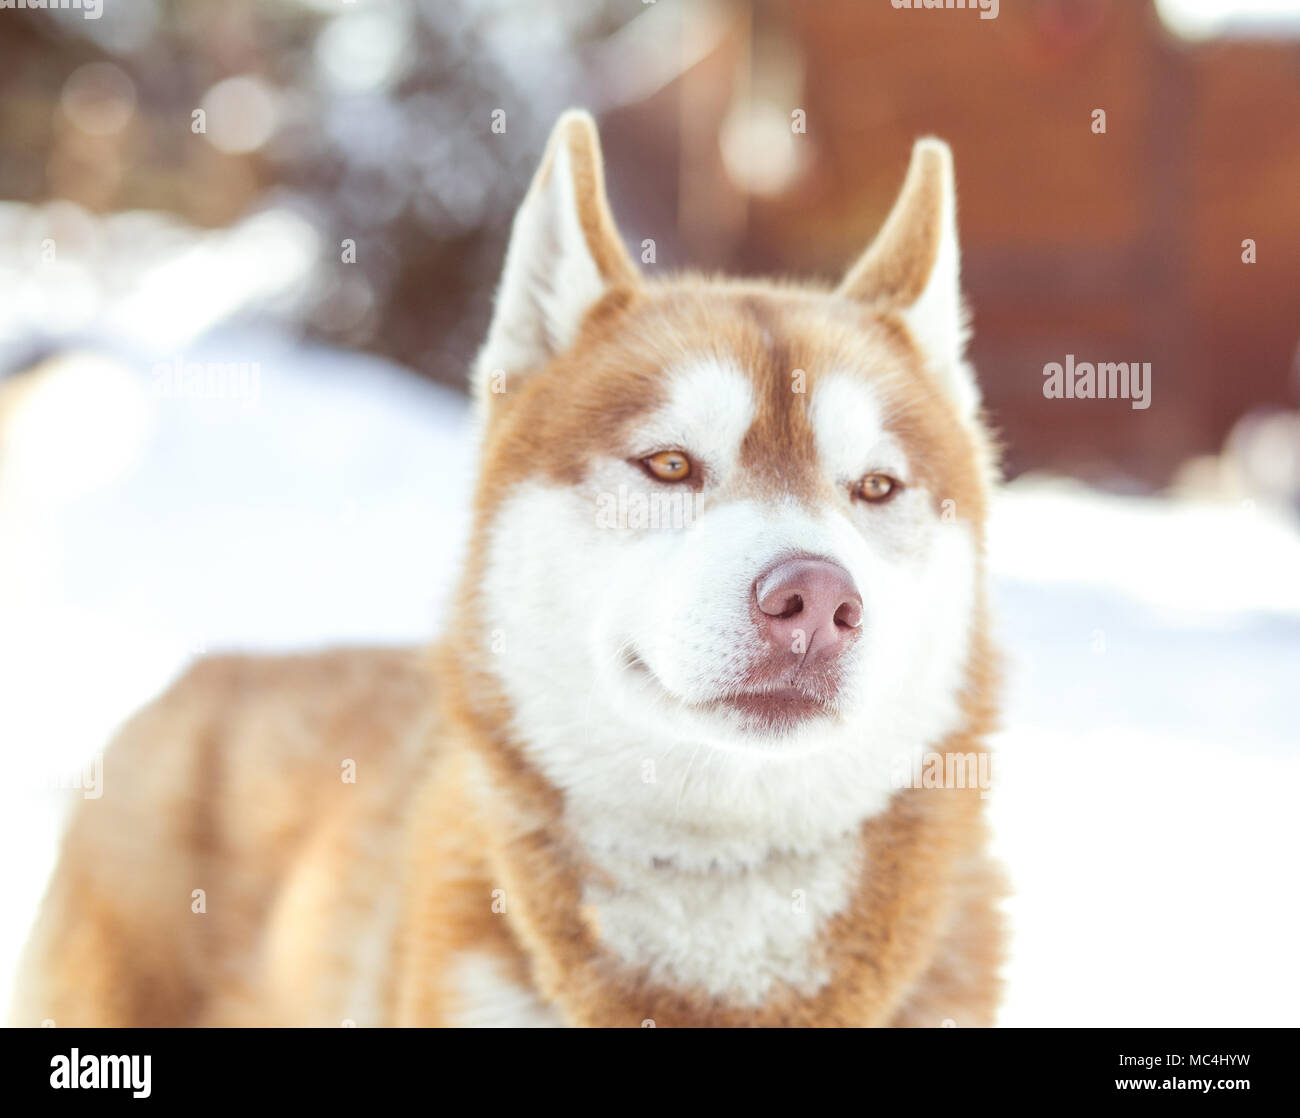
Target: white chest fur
<point x="738" y="931"/>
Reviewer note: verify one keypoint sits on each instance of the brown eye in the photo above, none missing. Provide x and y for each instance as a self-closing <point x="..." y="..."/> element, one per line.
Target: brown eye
<point x="668" y="465"/>
<point x="876" y="488"/>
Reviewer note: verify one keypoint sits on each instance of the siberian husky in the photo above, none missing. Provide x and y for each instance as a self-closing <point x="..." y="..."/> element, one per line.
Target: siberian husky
<point x="724" y="589"/>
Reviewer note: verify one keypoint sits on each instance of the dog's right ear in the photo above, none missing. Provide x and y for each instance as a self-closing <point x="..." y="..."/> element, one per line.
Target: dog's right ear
<point x="565" y="254"/>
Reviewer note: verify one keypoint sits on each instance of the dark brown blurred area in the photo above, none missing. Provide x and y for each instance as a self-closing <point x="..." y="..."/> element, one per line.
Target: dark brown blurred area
<point x="375" y="122"/>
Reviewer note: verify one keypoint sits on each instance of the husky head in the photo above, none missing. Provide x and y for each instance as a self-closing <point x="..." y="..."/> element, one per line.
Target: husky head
<point x="727" y="516"/>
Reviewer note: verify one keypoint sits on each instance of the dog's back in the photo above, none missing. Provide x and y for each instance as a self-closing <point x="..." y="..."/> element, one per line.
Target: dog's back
<point x="245" y="850"/>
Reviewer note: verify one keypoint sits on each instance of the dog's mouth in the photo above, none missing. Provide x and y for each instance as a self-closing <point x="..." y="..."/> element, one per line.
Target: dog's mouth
<point x="761" y="706"/>
<point x="772" y="710"/>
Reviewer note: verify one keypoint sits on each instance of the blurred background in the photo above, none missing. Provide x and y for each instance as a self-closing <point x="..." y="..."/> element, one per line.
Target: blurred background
<point x="257" y="137"/>
<point x="247" y="252"/>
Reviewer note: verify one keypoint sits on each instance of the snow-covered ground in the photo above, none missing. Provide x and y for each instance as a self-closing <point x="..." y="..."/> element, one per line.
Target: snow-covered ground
<point x="1146" y="775"/>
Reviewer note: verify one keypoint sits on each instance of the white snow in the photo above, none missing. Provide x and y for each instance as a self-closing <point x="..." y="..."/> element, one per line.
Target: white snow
<point x="1145" y="777"/>
<point x="1145" y="780"/>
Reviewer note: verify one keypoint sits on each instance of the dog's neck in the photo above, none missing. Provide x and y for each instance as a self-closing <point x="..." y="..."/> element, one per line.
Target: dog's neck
<point x="616" y="934"/>
<point x="716" y="873"/>
<point x="734" y="926"/>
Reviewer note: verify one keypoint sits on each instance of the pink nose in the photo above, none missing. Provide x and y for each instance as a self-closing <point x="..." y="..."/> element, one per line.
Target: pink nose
<point x="810" y="606"/>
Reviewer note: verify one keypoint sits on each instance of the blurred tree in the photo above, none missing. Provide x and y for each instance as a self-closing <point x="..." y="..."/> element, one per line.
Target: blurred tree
<point x="374" y="120"/>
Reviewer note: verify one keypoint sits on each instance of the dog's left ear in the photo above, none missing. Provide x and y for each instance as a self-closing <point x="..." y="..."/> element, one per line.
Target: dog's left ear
<point x="565" y="254"/>
<point x="913" y="269"/>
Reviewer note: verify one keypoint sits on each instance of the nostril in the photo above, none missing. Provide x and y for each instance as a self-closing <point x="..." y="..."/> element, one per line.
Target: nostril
<point x="793" y="606"/>
<point x="780" y="602"/>
<point x="849" y="615"/>
<point x="780" y="605"/>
